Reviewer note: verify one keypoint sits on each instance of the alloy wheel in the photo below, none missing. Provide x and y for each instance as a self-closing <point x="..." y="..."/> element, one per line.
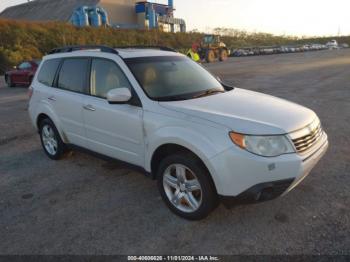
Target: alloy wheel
<point x="49" y="140"/>
<point x="182" y="188"/>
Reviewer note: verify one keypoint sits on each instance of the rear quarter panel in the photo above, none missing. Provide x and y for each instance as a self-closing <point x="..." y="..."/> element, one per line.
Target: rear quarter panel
<point x="39" y="104"/>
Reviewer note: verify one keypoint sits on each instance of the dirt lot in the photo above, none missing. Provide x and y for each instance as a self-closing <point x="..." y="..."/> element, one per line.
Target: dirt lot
<point x="84" y="205"/>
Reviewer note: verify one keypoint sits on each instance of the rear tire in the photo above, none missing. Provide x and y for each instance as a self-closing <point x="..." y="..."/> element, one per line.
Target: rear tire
<point x="186" y="187"/>
<point x="210" y="56"/>
<point x="8" y="81"/>
<point x="223" y="55"/>
<point x="51" y="140"/>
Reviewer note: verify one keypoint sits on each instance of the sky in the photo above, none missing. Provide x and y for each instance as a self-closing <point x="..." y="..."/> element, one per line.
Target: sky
<point x="281" y="17"/>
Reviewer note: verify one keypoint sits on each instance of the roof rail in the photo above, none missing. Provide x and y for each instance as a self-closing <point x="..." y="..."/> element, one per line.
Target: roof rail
<point x="162" y="48"/>
<point x="68" y="49"/>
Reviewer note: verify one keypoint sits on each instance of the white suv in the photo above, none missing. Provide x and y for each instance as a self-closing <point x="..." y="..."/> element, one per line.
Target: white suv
<point x="158" y="110"/>
<point x="332" y="44"/>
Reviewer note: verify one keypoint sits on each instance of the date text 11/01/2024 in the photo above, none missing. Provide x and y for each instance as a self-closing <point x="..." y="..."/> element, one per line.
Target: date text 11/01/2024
<point x="173" y="258"/>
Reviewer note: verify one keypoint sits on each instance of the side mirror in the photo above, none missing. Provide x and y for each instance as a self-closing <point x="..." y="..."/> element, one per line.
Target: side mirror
<point x="119" y="96"/>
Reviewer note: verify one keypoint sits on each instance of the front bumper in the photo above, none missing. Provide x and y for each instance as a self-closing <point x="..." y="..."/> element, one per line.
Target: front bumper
<point x="258" y="193"/>
<point x="243" y="177"/>
<point x="309" y="163"/>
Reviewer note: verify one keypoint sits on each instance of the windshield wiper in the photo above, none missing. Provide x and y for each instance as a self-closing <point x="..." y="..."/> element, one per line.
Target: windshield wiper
<point x="189" y="96"/>
<point x="209" y="92"/>
<point x="173" y="98"/>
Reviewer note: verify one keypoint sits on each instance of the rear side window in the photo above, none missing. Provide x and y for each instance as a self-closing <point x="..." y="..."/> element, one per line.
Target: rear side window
<point x="48" y="71"/>
<point x="73" y="75"/>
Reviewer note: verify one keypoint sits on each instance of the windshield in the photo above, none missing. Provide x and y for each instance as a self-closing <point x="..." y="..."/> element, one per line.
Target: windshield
<point x="171" y="78"/>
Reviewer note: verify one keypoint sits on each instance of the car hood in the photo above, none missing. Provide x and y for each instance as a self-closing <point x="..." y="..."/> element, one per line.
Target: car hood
<point x="247" y="112"/>
<point x="11" y="71"/>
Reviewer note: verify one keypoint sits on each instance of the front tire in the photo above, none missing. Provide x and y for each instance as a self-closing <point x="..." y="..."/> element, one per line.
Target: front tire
<point x="51" y="140"/>
<point x="8" y="81"/>
<point x="186" y="187"/>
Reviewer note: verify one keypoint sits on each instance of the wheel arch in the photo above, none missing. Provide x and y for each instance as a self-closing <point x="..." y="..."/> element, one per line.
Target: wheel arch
<point x="40" y="118"/>
<point x="167" y="149"/>
<point x="45" y="113"/>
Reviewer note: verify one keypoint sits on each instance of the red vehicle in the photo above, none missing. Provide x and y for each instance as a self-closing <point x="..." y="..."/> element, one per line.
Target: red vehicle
<point x="22" y="74"/>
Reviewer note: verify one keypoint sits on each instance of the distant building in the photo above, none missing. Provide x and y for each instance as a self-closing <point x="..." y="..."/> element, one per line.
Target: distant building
<point x="115" y="13"/>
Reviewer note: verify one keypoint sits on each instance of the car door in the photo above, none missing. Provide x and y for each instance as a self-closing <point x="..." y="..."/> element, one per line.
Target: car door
<point x="115" y="130"/>
<point x="67" y="98"/>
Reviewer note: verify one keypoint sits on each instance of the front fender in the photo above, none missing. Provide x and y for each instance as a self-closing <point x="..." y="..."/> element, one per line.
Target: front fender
<point x="194" y="141"/>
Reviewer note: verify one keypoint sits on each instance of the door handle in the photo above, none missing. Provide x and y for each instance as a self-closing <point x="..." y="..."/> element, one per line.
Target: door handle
<point x="89" y="107"/>
<point x="52" y="98"/>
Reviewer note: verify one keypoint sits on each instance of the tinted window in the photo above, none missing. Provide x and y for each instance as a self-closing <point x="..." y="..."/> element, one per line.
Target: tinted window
<point x="24" y="65"/>
<point x="73" y="74"/>
<point x="106" y="75"/>
<point x="48" y="71"/>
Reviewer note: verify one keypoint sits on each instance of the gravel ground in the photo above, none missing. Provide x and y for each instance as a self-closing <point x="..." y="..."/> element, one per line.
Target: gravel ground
<point x="84" y="205"/>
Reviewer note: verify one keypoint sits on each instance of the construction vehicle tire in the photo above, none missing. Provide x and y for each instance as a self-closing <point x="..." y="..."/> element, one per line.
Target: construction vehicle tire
<point x="210" y="56"/>
<point x="223" y="55"/>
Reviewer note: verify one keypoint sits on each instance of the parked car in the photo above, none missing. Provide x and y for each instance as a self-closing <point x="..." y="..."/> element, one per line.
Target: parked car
<point x="268" y="51"/>
<point x="306" y="48"/>
<point x="240" y="52"/>
<point x="284" y="49"/>
<point x="256" y="51"/>
<point x="203" y="140"/>
<point x="22" y="74"/>
<point x="332" y="44"/>
<point x="316" y="47"/>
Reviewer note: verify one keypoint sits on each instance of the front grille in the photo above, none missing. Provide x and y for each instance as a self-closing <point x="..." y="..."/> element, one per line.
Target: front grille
<point x="304" y="143"/>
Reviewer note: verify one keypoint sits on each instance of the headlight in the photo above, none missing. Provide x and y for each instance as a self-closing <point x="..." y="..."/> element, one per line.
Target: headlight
<point x="268" y="146"/>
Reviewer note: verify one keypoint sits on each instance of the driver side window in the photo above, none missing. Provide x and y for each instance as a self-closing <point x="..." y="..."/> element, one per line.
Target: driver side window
<point x="105" y="76"/>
